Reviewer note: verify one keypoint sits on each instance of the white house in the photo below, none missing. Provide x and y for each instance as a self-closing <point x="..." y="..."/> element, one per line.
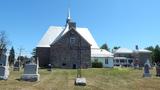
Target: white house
<point x="127" y="57"/>
<point x="103" y="56"/>
<point x="123" y="56"/>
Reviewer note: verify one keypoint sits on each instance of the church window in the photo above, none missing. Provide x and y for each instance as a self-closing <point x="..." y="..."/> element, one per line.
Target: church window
<point x="72" y="40"/>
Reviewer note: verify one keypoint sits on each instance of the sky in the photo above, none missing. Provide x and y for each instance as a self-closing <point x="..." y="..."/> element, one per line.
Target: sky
<point x="123" y="23"/>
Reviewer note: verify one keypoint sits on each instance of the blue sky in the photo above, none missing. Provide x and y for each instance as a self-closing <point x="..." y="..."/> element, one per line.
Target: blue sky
<point x="124" y="23"/>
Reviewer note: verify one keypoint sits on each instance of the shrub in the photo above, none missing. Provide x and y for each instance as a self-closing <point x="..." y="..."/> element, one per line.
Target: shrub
<point x="97" y="64"/>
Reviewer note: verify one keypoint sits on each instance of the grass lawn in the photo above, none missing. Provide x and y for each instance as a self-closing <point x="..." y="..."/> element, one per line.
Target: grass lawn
<point x="97" y="79"/>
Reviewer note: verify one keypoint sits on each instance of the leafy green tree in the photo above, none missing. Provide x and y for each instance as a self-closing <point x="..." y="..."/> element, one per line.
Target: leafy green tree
<point x="11" y="56"/>
<point x="151" y="48"/>
<point x="115" y="48"/>
<point x="157" y="54"/>
<point x="105" y="46"/>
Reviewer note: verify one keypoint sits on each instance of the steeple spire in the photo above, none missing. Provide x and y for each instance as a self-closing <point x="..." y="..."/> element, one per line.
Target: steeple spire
<point x="69" y="16"/>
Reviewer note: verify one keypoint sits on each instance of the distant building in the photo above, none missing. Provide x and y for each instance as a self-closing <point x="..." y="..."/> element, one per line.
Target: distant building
<point x="127" y="57"/>
<point x="123" y="56"/>
<point x="103" y="56"/>
<point x="67" y="47"/>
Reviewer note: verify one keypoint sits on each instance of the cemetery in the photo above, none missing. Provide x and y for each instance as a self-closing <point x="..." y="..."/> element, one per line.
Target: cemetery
<point x="67" y="57"/>
<point x="97" y="79"/>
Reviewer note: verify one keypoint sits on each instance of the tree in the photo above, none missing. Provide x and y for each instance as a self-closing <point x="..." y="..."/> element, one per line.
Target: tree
<point x="34" y="53"/>
<point x="151" y="48"/>
<point x="11" y="56"/>
<point x="157" y="54"/>
<point x="115" y="48"/>
<point x="3" y="41"/>
<point x="105" y="46"/>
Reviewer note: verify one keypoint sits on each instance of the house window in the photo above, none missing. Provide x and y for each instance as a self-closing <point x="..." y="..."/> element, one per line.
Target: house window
<point x="106" y="61"/>
<point x="130" y="61"/>
<point x="122" y="60"/>
<point x="117" y="61"/>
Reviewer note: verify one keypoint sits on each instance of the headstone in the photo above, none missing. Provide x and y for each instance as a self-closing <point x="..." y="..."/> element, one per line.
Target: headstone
<point x="158" y="69"/>
<point x="4" y="67"/>
<point x="49" y="67"/>
<point x="146" y="71"/>
<point x="30" y="72"/>
<point x="80" y="81"/>
<point x="148" y="62"/>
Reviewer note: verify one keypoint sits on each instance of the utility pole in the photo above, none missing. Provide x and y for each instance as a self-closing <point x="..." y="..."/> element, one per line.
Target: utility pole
<point x="19" y="57"/>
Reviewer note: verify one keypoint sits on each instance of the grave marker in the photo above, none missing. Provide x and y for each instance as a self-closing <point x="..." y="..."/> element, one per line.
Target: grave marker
<point x="31" y="72"/>
<point x="4" y="67"/>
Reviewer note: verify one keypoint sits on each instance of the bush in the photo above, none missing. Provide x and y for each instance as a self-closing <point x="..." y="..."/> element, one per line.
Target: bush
<point x="97" y="64"/>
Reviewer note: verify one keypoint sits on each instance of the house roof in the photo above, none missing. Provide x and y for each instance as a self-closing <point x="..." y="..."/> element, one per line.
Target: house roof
<point x="55" y="32"/>
<point x="100" y="53"/>
<point x="120" y="58"/>
<point x="144" y="51"/>
<point x="123" y="50"/>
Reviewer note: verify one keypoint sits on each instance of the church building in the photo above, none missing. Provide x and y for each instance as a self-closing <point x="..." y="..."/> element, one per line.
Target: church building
<point x="66" y="47"/>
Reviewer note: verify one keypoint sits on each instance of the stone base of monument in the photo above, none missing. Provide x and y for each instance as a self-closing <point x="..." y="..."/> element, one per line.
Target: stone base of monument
<point x="30" y="77"/>
<point x="146" y="75"/>
<point x="80" y="81"/>
<point x="4" y="72"/>
<point x="16" y="69"/>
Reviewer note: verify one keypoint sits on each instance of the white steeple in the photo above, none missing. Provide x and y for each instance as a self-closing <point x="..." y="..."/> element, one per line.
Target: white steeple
<point x="69" y="16"/>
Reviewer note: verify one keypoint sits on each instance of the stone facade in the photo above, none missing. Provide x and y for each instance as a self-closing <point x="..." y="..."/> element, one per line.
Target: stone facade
<point x="70" y="51"/>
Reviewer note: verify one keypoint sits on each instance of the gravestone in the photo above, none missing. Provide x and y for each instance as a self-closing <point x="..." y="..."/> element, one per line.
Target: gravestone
<point x="49" y="67"/>
<point x="16" y="66"/>
<point x="146" y="71"/>
<point x="80" y="81"/>
<point x="158" y="69"/>
<point x="148" y="62"/>
<point x="4" y="67"/>
<point x="30" y="72"/>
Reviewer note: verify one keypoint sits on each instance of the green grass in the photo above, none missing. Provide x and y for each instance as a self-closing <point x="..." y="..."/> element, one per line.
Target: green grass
<point x="97" y="79"/>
